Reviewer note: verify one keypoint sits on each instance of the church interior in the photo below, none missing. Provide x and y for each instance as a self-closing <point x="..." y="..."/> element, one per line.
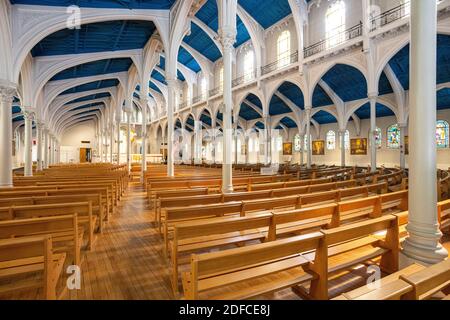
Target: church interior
<point x="224" y="150"/>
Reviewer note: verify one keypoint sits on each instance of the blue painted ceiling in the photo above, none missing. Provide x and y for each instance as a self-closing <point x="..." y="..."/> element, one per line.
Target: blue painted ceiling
<point x="93" y="86"/>
<point x="443" y="99"/>
<point x="384" y="86"/>
<point x="288" y="122"/>
<point x="255" y="100"/>
<point x="348" y="82"/>
<point x="201" y="42"/>
<point x="89" y="105"/>
<point x="293" y="93"/>
<point x="248" y="113"/>
<point x="259" y="125"/>
<point x="162" y="65"/>
<point x="266" y="12"/>
<point x="158" y="76"/>
<point x="96" y="37"/>
<point x="277" y="106"/>
<point x="16" y="109"/>
<point x="94" y="68"/>
<point x="381" y="110"/>
<point x="323" y="117"/>
<point x="116" y="4"/>
<point x="154" y="87"/>
<point x="320" y="98"/>
<point x="188" y="60"/>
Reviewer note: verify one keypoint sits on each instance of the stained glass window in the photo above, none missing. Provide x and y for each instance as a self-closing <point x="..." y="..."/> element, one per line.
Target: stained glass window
<point x="346" y="140"/>
<point x="297" y="143"/>
<point x="442" y="132"/>
<point x="378" y="137"/>
<point x="393" y="137"/>
<point x="331" y="140"/>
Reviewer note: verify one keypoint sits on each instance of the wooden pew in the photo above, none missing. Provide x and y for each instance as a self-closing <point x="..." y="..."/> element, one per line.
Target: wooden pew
<point x="82" y="209"/>
<point x="24" y="256"/>
<point x="247" y="272"/>
<point x="66" y="235"/>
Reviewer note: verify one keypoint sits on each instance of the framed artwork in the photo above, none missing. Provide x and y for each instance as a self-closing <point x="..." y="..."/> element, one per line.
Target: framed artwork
<point x="318" y="148"/>
<point x="406" y="145"/>
<point x="287" y="149"/>
<point x="358" y="146"/>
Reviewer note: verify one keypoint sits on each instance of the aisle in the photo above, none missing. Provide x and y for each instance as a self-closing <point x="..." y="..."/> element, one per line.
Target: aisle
<point x="125" y="262"/>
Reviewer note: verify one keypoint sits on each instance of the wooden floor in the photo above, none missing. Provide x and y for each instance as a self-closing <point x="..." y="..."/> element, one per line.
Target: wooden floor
<point x="126" y="262"/>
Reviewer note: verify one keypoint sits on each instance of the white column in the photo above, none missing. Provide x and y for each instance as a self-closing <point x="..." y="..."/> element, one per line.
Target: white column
<point x="342" y="144"/>
<point x="247" y="154"/>
<point x="144" y="103"/>
<point x="39" y="143"/>
<point x="228" y="37"/>
<point x="28" y="116"/>
<point x="118" y="120"/>
<point x="308" y="137"/>
<point x="128" y="143"/>
<point x="302" y="140"/>
<point x="6" y="98"/>
<point x="422" y="243"/>
<point x="236" y="153"/>
<point x="267" y="140"/>
<point x="111" y="142"/>
<point x="171" y="85"/>
<point x="214" y="146"/>
<point x="46" y="148"/>
<point x="402" y="127"/>
<point x="373" y="128"/>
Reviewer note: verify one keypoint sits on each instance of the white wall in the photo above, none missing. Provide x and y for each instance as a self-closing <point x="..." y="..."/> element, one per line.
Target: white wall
<point x="71" y="142"/>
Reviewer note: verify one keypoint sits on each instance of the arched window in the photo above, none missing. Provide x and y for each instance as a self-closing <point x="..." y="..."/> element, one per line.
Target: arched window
<point x="203" y="88"/>
<point x="393" y="137"/>
<point x="346" y="140"/>
<point x="331" y="140"/>
<point x="279" y="143"/>
<point x="284" y="48"/>
<point x="442" y="133"/>
<point x="378" y="138"/>
<point x="297" y="143"/>
<point x="249" y="65"/>
<point x="335" y="24"/>
<point x="306" y="143"/>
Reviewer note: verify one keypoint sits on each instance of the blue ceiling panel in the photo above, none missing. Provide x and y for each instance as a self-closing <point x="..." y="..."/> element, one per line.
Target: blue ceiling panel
<point x="21" y="118"/>
<point x="178" y="124"/>
<point x="266" y="12"/>
<point x="384" y="86"/>
<point x="96" y="37"/>
<point x="443" y="99"/>
<point x="323" y="117"/>
<point x="209" y="14"/>
<point x="185" y="58"/>
<point x="16" y="109"/>
<point x="259" y="125"/>
<point x="219" y="116"/>
<point x="180" y="76"/>
<point x="15" y="100"/>
<point x="293" y="93"/>
<point x="320" y="98"/>
<point x="443" y="59"/>
<point x="94" y="68"/>
<point x="400" y="65"/>
<point x="277" y="106"/>
<point x="162" y="63"/>
<point x="153" y="86"/>
<point x="158" y="76"/>
<point x="242" y="35"/>
<point x="348" y="82"/>
<point x="248" y="113"/>
<point x="205" y="118"/>
<point x="288" y="122"/>
<point x="382" y="111"/>
<point x="255" y="100"/>
<point x="114" y="4"/>
<point x="90" y="97"/>
<point x="93" y="86"/>
<point x="201" y="42"/>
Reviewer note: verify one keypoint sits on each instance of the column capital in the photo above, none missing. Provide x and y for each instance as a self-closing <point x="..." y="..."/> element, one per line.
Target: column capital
<point x="342" y="131"/>
<point x="7" y="91"/>
<point x="227" y="37"/>
<point x="372" y="95"/>
<point x="28" y="112"/>
<point x="172" y="81"/>
<point x="402" y="125"/>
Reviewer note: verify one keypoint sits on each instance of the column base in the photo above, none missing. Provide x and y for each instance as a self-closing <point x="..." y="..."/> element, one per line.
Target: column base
<point x="4" y="186"/>
<point x="413" y="252"/>
<point x="227" y="189"/>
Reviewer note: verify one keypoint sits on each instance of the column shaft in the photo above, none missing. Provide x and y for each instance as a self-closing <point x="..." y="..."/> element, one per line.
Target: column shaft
<point x="227" y="167"/>
<point x="6" y="98"/>
<point x="373" y="128"/>
<point x="28" y="170"/>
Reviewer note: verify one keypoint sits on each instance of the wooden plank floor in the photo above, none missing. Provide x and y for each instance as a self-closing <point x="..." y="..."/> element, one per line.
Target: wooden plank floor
<point x="126" y="262"/>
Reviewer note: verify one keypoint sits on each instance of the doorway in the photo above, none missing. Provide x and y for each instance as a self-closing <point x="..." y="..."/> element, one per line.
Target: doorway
<point x="85" y="155"/>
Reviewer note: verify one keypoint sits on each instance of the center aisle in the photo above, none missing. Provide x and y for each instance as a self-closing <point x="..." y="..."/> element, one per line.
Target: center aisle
<point x="126" y="261"/>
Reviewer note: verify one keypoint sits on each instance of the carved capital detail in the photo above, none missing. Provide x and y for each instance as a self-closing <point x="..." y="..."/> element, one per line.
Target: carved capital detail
<point x="7" y="93"/>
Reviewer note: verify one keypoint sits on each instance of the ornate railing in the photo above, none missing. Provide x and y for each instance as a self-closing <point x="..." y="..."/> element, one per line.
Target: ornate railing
<point x="197" y="99"/>
<point x="390" y="16"/>
<point x="215" y="91"/>
<point x="334" y="41"/>
<point x="182" y="105"/>
<point x="280" y="63"/>
<point x="244" y="79"/>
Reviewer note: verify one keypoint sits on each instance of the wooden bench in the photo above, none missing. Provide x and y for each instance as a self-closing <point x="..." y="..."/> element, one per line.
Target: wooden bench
<point x="82" y="209"/>
<point x="30" y="255"/>
<point x="272" y="266"/>
<point x="64" y="230"/>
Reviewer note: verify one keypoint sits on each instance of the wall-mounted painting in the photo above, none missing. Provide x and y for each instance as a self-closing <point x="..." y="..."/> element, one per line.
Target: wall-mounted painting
<point x="358" y="146"/>
<point x="406" y="145"/>
<point x="318" y="148"/>
<point x="287" y="149"/>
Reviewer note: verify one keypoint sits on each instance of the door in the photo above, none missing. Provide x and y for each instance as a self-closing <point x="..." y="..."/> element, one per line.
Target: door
<point x="83" y="154"/>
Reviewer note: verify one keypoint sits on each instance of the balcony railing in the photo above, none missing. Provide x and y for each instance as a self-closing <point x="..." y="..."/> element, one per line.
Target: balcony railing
<point x="244" y="79"/>
<point x="334" y="41"/>
<point x="280" y="63"/>
<point x="390" y="16"/>
<point x="215" y="91"/>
